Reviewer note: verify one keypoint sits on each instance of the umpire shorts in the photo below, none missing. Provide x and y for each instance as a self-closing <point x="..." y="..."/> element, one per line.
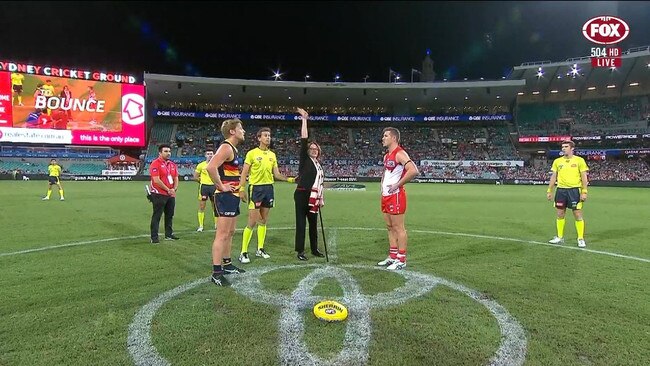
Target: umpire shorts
<point x="568" y="198"/>
<point x="206" y="191"/>
<point x="260" y="196"/>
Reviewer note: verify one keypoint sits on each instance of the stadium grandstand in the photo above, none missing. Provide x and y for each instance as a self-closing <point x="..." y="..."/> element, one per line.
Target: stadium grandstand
<point x="505" y="131"/>
<point x="539" y="104"/>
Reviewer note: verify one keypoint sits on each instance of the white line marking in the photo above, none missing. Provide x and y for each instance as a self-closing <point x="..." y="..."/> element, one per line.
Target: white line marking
<point x="26" y="251"/>
<point x="292" y="348"/>
<point x="72" y="245"/>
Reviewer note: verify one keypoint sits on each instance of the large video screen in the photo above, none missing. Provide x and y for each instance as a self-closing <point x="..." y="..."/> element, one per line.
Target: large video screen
<point x="57" y="110"/>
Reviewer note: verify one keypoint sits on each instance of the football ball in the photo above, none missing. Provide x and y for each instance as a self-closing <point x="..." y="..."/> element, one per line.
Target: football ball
<point x="330" y="311"/>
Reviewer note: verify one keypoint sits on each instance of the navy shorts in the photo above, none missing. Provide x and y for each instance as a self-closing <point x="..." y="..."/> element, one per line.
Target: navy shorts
<point x="568" y="198"/>
<point x="53" y="180"/>
<point x="226" y="204"/>
<point x="260" y="196"/>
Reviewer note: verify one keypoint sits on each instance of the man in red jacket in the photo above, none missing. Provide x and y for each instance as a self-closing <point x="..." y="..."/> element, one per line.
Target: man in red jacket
<point x="164" y="183"/>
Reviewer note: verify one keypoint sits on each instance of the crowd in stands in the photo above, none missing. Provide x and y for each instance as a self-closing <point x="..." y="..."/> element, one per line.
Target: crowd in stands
<point x="594" y="117"/>
<point x="607" y="170"/>
<point x="491" y="142"/>
<point x="280" y="109"/>
<point x="469" y="109"/>
<point x="619" y="170"/>
<point x="337" y="110"/>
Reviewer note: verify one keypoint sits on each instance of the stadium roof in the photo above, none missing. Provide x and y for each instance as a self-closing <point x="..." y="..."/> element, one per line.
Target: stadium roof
<point x="173" y="88"/>
<point x="553" y="80"/>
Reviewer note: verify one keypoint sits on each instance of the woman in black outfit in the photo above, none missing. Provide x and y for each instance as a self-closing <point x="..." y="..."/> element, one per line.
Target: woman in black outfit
<point x="309" y="193"/>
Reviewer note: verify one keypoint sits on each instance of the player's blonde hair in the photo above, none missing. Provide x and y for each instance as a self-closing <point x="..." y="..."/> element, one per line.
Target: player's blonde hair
<point x="229" y="125"/>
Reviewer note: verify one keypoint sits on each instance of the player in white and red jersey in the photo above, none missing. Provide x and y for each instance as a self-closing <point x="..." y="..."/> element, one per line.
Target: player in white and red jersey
<point x="399" y="169"/>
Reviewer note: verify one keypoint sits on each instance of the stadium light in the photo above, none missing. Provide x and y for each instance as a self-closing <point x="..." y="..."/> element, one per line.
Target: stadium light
<point x="520" y="93"/>
<point x="337" y="77"/>
<point x="229" y="95"/>
<point x="540" y="73"/>
<point x="536" y="92"/>
<point x="575" y="72"/>
<point x="571" y="90"/>
<point x="554" y="91"/>
<point x="498" y="97"/>
<point x="405" y="98"/>
<point x="166" y="92"/>
<point x="289" y="98"/>
<point x="591" y="88"/>
<point x="307" y="77"/>
<point x="397" y="77"/>
<point x="634" y="84"/>
<point x="611" y="86"/>
<point x="365" y="79"/>
<point x="277" y="75"/>
<point x="199" y="94"/>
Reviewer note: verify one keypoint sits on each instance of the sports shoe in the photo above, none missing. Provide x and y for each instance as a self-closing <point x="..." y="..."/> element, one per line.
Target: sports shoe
<point x="556" y="240"/>
<point x="317" y="253"/>
<point x="581" y="243"/>
<point x="62" y="199"/>
<point x="231" y="269"/>
<point x="219" y="280"/>
<point x="172" y="237"/>
<point x="243" y="258"/>
<point x="397" y="265"/>
<point x="262" y="253"/>
<point x="45" y="198"/>
<point x="21" y="105"/>
<point x="301" y="256"/>
<point x="155" y="241"/>
<point x="387" y="262"/>
<point x="200" y="229"/>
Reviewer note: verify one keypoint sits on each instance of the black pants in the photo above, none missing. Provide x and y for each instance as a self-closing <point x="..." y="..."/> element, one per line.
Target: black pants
<point x="166" y="204"/>
<point x="301" y="198"/>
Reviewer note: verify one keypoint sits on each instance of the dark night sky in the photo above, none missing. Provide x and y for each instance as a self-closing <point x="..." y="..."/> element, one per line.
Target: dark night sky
<point x="248" y="39"/>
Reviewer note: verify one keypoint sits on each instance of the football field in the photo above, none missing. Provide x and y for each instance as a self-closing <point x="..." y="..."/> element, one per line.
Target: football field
<point x="80" y="284"/>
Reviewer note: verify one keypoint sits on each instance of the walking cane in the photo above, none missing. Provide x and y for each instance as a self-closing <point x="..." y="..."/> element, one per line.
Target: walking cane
<point x="320" y="214"/>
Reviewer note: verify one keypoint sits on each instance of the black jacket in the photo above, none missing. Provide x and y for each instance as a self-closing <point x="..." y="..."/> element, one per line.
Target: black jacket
<point x="306" y="168"/>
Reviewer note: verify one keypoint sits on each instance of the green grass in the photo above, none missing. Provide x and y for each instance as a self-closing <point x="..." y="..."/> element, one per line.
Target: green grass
<point x="73" y="305"/>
